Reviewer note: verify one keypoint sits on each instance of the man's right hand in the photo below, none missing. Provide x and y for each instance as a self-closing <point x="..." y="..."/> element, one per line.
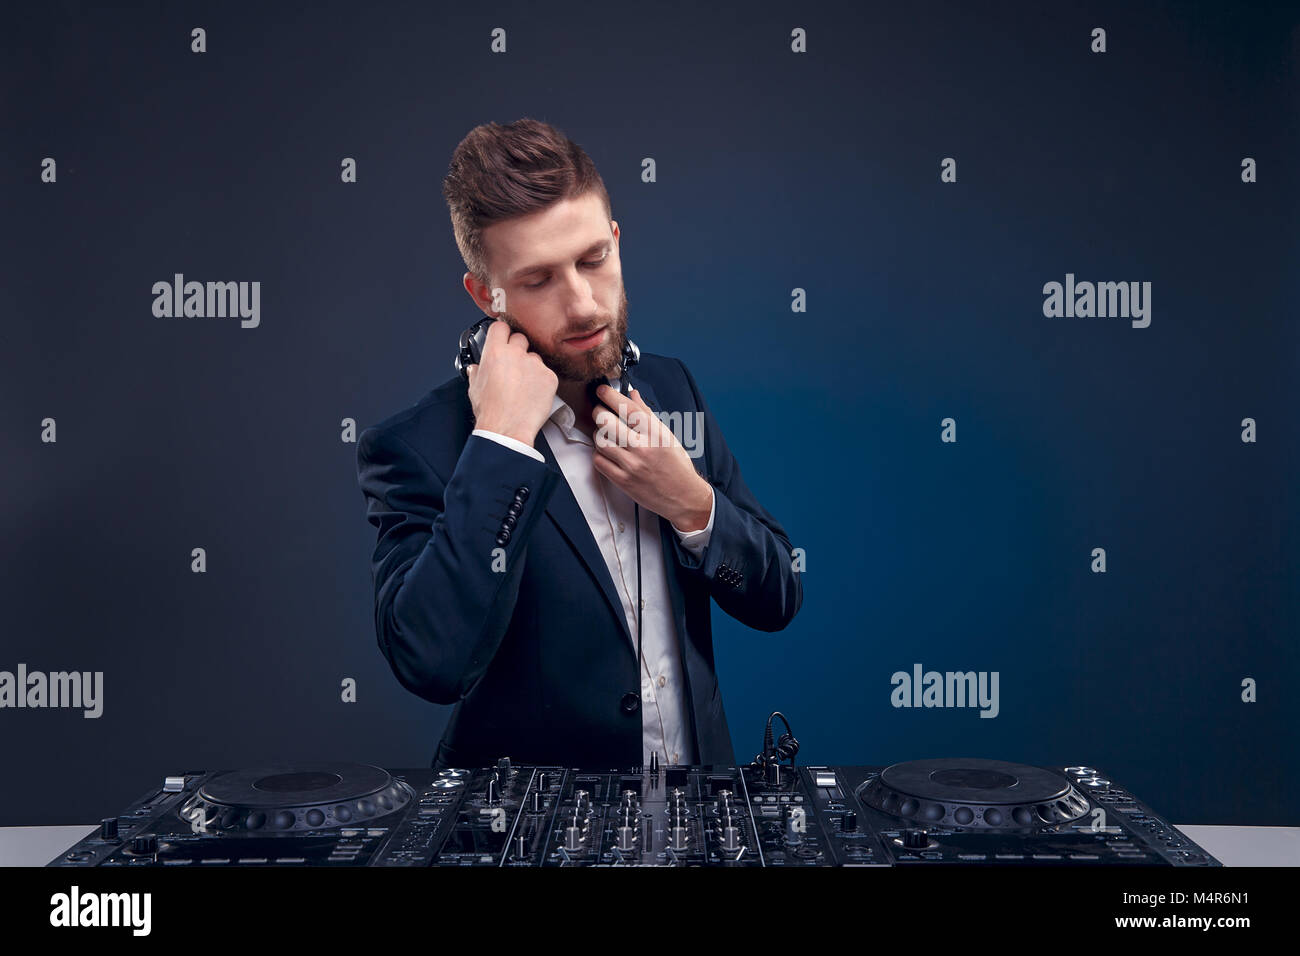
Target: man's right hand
<point x="511" y="390"/>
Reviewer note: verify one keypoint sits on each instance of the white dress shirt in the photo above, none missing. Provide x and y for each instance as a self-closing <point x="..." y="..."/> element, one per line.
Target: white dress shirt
<point x="665" y="726"/>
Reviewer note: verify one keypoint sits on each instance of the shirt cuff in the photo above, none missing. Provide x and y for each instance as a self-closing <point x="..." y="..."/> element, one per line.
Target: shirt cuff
<point x="518" y="446"/>
<point x="696" y="541"/>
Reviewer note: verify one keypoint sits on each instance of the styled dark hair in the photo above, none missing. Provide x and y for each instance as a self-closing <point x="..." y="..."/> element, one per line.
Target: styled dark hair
<point x="501" y="172"/>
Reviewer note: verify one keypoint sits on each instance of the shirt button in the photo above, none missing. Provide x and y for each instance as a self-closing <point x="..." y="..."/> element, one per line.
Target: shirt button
<point x="643" y="604"/>
<point x="662" y="680"/>
<point x="620" y="527"/>
<point x="676" y="757"/>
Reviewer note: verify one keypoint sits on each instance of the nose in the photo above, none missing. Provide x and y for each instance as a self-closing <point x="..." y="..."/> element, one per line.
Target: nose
<point x="580" y="303"/>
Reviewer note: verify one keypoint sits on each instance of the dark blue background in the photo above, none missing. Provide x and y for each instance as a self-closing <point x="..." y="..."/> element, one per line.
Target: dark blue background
<point x="775" y="171"/>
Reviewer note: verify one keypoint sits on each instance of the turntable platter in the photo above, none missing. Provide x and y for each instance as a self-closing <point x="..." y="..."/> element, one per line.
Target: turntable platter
<point x="294" y="797"/>
<point x="974" y="793"/>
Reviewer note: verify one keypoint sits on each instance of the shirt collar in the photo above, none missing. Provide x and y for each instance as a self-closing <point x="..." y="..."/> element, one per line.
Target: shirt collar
<point x="562" y="415"/>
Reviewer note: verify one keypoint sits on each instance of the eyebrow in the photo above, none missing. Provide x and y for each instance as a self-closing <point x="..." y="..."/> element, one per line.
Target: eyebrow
<point x="598" y="246"/>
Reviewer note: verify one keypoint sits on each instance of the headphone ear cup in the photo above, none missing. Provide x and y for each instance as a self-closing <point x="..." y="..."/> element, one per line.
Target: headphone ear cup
<point x="464" y="355"/>
<point x="471" y="346"/>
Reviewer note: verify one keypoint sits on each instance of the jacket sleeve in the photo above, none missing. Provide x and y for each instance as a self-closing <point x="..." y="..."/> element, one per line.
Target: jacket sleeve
<point x="748" y="561"/>
<point x="447" y="563"/>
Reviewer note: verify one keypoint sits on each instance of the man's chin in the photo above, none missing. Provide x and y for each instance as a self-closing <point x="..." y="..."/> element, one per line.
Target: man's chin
<point x="606" y="366"/>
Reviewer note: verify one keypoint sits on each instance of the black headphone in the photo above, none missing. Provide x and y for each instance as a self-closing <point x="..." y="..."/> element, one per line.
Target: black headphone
<point x="471" y="351"/>
<point x="784" y="748"/>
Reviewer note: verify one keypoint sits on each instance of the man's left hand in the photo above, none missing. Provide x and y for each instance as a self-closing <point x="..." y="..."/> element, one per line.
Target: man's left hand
<point x="642" y="456"/>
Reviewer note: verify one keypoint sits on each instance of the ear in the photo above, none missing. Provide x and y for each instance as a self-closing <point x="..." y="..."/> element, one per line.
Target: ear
<point x="479" y="293"/>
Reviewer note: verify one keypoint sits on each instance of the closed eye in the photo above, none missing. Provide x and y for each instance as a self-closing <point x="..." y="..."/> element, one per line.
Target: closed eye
<point x="590" y="264"/>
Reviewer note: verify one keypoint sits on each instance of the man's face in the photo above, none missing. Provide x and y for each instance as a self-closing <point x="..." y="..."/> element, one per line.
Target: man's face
<point x="563" y="283"/>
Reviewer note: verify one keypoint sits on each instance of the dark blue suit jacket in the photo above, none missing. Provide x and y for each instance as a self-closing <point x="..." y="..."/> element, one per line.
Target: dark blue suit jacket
<point x="537" y="657"/>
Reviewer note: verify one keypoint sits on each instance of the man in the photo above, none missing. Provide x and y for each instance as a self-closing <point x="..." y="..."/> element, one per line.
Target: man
<point x="506" y="570"/>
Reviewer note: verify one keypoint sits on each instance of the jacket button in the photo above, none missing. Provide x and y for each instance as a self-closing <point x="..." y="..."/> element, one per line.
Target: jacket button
<point x="502" y="538"/>
<point x="509" y="522"/>
<point x="522" y="492"/>
<point x="631" y="702"/>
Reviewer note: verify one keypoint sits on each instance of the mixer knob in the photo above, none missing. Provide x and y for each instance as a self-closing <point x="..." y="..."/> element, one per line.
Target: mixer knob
<point x="629" y="798"/>
<point x="572" y="839"/>
<point x="503" y="766"/>
<point x="541" y="781"/>
<point x="492" y="789"/>
<point x="108" y="828"/>
<point x="583" y="800"/>
<point x="730" y="838"/>
<point x="677" y="838"/>
<point x="145" y="844"/>
<point x="626" y="838"/>
<point x="535" y="802"/>
<point x="848" y="822"/>
<point x="521" y="847"/>
<point x="916" y="839"/>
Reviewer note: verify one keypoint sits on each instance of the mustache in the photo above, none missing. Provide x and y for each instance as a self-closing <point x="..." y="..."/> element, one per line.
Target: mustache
<point x="583" y="333"/>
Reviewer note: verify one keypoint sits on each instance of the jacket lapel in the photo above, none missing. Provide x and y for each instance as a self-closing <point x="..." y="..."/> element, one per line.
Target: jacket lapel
<point x="564" y="511"/>
<point x="672" y="569"/>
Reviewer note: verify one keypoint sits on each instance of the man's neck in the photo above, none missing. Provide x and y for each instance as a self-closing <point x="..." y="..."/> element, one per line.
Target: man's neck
<point x="574" y="394"/>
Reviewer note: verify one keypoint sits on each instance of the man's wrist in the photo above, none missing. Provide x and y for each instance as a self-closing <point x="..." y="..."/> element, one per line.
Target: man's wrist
<point x="507" y="442"/>
<point x="696" y="517"/>
<point x="516" y="434"/>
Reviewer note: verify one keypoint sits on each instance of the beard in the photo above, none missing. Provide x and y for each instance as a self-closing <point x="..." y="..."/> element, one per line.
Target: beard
<point x="601" y="361"/>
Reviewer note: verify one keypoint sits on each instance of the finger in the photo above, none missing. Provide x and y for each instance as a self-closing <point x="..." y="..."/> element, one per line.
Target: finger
<point x="609" y="469"/>
<point x="617" y="431"/>
<point x="624" y="406"/>
<point x="497" y="335"/>
<point x="629" y="432"/>
<point x="469" y="372"/>
<point x="647" y="413"/>
<point x="651" y="424"/>
<point x="607" y="446"/>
